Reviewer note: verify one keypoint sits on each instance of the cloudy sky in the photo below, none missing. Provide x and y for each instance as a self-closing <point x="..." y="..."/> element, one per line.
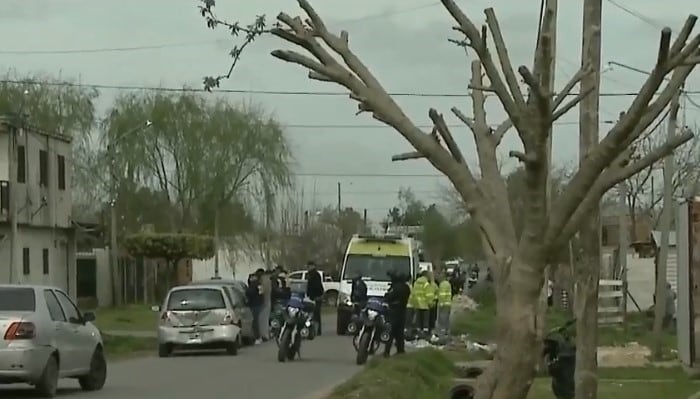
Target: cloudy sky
<point x="404" y="42"/>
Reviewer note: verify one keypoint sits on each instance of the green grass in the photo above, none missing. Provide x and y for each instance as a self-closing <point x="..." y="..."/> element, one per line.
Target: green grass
<point x="125" y="347"/>
<point x="423" y="374"/>
<point x="126" y="318"/>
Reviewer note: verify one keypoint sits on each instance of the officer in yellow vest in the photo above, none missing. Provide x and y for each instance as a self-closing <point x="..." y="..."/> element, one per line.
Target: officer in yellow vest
<point x="411" y="314"/>
<point x="444" y="306"/>
<point x="432" y="297"/>
<point x="420" y="292"/>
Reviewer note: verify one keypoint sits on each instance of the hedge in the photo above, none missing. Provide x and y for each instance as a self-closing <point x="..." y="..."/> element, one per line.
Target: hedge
<point x="423" y="374"/>
<point x="172" y="247"/>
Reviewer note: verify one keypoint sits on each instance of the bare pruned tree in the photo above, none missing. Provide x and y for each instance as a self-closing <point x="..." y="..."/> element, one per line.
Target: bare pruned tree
<point x="518" y="261"/>
<point x="644" y="194"/>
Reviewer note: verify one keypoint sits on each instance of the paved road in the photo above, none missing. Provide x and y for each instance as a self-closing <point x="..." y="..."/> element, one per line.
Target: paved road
<point x="254" y="373"/>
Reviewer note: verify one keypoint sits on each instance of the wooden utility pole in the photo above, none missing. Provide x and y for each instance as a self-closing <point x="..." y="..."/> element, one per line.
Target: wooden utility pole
<point x="624" y="219"/>
<point x="665" y="223"/>
<point x="216" y="240"/>
<point x="113" y="250"/>
<point x="12" y="169"/>
<point x="339" y="200"/>
<point x="588" y="268"/>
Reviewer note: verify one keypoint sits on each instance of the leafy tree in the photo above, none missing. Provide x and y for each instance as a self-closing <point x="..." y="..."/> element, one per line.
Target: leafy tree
<point x="409" y="212"/>
<point x="49" y="103"/>
<point x="517" y="261"/>
<point x="438" y="235"/>
<point x="202" y="156"/>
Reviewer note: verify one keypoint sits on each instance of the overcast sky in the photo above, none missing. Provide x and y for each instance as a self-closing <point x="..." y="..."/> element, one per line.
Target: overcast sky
<point x="404" y="42"/>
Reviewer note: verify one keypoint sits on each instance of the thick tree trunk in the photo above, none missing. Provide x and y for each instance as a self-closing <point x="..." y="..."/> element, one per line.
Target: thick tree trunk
<point x="519" y="349"/>
<point x="586" y="311"/>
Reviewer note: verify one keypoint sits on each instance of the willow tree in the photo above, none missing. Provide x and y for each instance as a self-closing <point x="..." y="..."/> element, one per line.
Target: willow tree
<point x="519" y="260"/>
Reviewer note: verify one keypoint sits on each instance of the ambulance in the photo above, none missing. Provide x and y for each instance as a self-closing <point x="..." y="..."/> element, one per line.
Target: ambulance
<point x="374" y="258"/>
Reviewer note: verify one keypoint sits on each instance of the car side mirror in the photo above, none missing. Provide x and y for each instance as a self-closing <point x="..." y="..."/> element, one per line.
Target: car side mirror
<point x="155" y="308"/>
<point x="88" y="317"/>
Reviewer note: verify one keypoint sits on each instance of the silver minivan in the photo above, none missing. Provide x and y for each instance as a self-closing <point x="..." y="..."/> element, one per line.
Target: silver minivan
<point x="198" y="317"/>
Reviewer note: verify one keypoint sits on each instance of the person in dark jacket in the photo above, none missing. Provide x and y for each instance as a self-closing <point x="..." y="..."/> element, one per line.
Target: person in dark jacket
<point x="397" y="300"/>
<point x="358" y="293"/>
<point x="315" y="291"/>
<point x="256" y="301"/>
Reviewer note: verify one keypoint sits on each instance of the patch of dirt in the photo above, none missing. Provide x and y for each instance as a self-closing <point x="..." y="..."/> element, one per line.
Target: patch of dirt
<point x="631" y="355"/>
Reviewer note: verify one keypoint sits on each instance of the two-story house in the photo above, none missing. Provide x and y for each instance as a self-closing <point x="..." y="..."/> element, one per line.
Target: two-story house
<point x="37" y="236"/>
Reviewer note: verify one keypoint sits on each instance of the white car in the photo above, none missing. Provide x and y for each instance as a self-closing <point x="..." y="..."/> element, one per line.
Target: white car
<point x="46" y="337"/>
<point x="297" y="282"/>
<point x="198" y="317"/>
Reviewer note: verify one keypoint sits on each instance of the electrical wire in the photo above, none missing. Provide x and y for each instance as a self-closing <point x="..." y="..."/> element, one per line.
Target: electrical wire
<point x="647" y="20"/>
<point x="268" y="92"/>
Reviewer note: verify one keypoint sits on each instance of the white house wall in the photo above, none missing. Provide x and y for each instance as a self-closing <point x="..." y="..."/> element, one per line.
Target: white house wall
<point x="236" y="264"/>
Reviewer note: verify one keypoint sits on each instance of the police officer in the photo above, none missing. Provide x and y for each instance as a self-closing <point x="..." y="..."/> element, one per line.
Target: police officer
<point x="397" y="299"/>
<point x="358" y="292"/>
<point x="411" y="314"/>
<point x="431" y="296"/>
<point x="420" y="289"/>
<point x="444" y="306"/>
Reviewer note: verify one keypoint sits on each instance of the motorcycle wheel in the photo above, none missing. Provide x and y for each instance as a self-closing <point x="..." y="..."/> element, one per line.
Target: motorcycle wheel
<point x="292" y="352"/>
<point x="283" y="345"/>
<point x="363" y="348"/>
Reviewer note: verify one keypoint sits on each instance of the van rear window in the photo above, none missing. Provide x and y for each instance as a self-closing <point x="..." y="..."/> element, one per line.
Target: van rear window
<point x="17" y="299"/>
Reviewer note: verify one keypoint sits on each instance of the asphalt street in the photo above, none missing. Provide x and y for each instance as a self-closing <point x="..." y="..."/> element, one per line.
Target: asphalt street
<point x="254" y="373"/>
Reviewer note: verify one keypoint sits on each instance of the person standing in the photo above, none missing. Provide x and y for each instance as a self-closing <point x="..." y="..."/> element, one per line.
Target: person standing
<point x="411" y="314"/>
<point x="264" y="320"/>
<point x="444" y="306"/>
<point x="255" y="301"/>
<point x="397" y="300"/>
<point x="420" y="289"/>
<point x="315" y="291"/>
<point x="431" y="296"/>
<point x="670" y="311"/>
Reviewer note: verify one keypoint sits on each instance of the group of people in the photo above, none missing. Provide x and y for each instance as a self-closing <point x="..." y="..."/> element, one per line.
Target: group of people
<point x="265" y="289"/>
<point x="422" y="310"/>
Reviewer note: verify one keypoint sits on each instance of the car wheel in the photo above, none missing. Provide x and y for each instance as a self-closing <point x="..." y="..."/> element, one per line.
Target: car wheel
<point x="96" y="377"/>
<point x="164" y="350"/>
<point x="232" y="348"/>
<point x="47" y="385"/>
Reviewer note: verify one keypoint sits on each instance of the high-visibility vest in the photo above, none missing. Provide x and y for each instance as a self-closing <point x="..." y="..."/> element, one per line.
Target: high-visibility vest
<point x="431" y="293"/>
<point x="445" y="293"/>
<point x="412" y="303"/>
<point x="420" y="289"/>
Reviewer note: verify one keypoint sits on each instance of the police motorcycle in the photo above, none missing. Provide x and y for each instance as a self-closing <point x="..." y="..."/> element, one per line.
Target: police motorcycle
<point x="298" y="325"/>
<point x="277" y="318"/>
<point x="560" y="357"/>
<point x="374" y="329"/>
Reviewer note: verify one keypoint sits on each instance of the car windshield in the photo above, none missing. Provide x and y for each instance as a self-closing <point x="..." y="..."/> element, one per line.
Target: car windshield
<point x="196" y="299"/>
<point x="375" y="268"/>
<point x="16" y="299"/>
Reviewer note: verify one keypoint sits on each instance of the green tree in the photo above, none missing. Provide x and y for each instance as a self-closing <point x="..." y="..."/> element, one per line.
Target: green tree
<point x="410" y="211"/>
<point x="203" y="156"/>
<point x="438" y="235"/>
<point x="53" y="104"/>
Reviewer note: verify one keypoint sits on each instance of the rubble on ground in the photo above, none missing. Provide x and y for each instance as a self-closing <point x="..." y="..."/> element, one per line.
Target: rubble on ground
<point x="462" y="303"/>
<point x="630" y="355"/>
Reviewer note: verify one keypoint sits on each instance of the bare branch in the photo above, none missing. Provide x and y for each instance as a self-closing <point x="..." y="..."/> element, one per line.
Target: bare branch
<point x="522" y="157"/>
<point x="501" y="131"/>
<point x="446" y="135"/>
<point x="536" y="89"/>
<point x="502" y="52"/>
<point x="610" y="178"/>
<point x="558" y="113"/>
<point x="569" y="86"/>
<point x="683" y="35"/>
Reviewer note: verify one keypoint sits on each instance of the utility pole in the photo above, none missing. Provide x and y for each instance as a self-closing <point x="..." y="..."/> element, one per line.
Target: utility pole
<point x="113" y="254"/>
<point x="364" y="221"/>
<point x="588" y="270"/>
<point x="665" y="222"/>
<point x="14" y="242"/>
<point x="216" y="241"/>
<point x="624" y="219"/>
<point x="339" y="199"/>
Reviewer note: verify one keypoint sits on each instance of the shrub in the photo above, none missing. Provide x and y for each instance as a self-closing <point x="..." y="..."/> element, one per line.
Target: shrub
<point x="171" y="247"/>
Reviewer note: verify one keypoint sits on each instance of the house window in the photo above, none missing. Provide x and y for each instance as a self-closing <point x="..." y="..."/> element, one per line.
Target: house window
<point x="21" y="165"/>
<point x="43" y="168"/>
<point x="61" y="172"/>
<point x="45" y="260"/>
<point x="26" y="270"/>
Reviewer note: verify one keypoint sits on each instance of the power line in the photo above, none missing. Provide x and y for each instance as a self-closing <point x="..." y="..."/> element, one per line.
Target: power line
<point x="267" y="92"/>
<point x="325" y="174"/>
<point x="146" y="47"/>
<point x="107" y="49"/>
<point x="636" y="14"/>
<point x="379" y="126"/>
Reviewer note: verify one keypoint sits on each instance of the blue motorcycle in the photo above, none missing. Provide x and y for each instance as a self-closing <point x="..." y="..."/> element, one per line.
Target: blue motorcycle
<point x="298" y="325"/>
<point x="375" y="329"/>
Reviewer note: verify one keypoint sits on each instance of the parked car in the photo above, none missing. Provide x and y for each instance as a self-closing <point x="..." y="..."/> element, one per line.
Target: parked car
<point x="46" y="337"/>
<point x="297" y="282"/>
<point x="198" y="317"/>
<point x="237" y="292"/>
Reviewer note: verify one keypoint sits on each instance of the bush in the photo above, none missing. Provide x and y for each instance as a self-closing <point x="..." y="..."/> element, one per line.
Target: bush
<point x="423" y="374"/>
<point x="171" y="247"/>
